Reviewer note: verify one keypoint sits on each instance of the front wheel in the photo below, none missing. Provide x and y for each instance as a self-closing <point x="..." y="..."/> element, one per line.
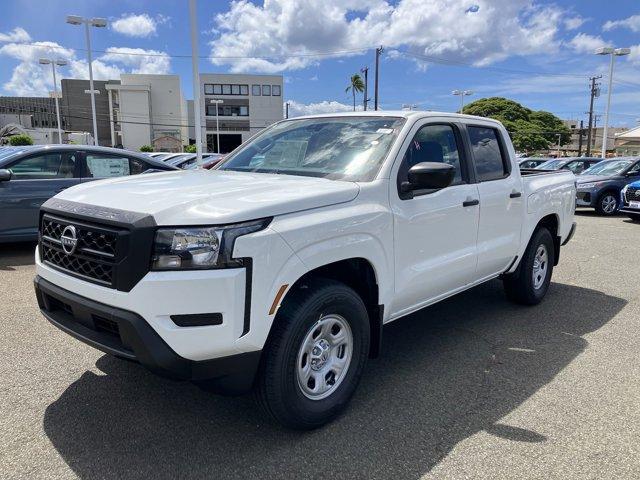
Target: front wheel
<point x="529" y="283"/>
<point x="315" y="355"/>
<point x="607" y="203"/>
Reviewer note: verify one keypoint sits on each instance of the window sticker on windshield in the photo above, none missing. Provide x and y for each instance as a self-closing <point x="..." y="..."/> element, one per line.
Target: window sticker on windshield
<point x="285" y="153"/>
<point x="385" y="130"/>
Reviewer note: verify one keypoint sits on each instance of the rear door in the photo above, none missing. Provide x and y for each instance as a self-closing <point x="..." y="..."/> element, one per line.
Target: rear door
<point x="35" y="179"/>
<point x="501" y="200"/>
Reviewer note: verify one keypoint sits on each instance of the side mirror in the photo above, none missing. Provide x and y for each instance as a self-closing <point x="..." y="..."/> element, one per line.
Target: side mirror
<point x="429" y="175"/>
<point x="5" y="175"/>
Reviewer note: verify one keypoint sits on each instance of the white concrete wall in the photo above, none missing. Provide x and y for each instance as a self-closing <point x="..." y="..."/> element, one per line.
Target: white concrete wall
<point x="167" y="113"/>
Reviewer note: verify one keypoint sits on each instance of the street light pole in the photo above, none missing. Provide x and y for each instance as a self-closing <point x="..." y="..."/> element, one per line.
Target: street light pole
<point x="47" y="61"/>
<point x="614" y="52"/>
<point x="89" y="22"/>
<point x="193" y="21"/>
<point x="462" y="93"/>
<point x="217" y="102"/>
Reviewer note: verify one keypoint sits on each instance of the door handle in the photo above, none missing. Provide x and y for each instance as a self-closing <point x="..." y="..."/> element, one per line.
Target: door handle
<point x="470" y="203"/>
<point x="515" y="194"/>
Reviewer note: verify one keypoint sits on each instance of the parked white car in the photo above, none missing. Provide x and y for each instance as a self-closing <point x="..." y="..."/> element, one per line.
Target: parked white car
<point x="276" y="271"/>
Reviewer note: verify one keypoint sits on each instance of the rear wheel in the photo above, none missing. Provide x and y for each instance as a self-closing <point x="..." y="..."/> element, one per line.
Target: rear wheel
<point x="607" y="203"/>
<point x="315" y="355"/>
<point x="529" y="283"/>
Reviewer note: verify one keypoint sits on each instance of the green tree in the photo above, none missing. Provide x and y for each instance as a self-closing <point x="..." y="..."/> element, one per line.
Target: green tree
<point x="356" y="85"/>
<point x="529" y="130"/>
<point x="190" y="148"/>
<point x="22" y="139"/>
<point x="146" y="148"/>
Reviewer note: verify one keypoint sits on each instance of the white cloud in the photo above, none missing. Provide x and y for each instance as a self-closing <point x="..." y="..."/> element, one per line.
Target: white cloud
<point x="572" y="23"/>
<point x="18" y="34"/>
<point x="299" y="109"/>
<point x="632" y="23"/>
<point x="497" y="30"/>
<point x="585" y="43"/>
<point x="136" y="25"/>
<point x="31" y="79"/>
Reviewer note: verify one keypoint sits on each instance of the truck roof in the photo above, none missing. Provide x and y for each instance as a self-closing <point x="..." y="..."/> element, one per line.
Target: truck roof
<point x="414" y="114"/>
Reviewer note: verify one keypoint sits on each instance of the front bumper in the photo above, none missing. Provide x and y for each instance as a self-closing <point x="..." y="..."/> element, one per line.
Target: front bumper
<point x="126" y="334"/>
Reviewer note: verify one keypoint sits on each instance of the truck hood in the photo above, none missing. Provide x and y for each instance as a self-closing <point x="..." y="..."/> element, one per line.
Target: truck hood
<point x="199" y="197"/>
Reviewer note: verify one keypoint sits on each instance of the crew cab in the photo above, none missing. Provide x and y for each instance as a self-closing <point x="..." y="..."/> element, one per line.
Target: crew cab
<point x="276" y="271"/>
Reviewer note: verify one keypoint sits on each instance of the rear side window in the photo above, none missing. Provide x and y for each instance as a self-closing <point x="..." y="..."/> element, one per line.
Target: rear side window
<point x="105" y="166"/>
<point x="487" y="154"/>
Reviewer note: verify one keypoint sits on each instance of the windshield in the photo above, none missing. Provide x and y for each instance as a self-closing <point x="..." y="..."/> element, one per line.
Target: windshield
<point x="339" y="148"/>
<point x="551" y="165"/>
<point x="612" y="167"/>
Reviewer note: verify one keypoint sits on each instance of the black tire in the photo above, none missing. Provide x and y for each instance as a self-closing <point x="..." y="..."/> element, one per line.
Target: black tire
<point x="603" y="201"/>
<point x="277" y="389"/>
<point x="634" y="216"/>
<point x="519" y="286"/>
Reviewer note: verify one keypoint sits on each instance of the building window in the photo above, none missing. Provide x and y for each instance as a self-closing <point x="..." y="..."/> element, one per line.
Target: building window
<point x="256" y="90"/>
<point x="208" y="89"/>
<point x="217" y="89"/>
<point x="235" y="89"/>
<point x="226" y="89"/>
<point x="275" y="90"/>
<point x="221" y="89"/>
<point x="228" y="110"/>
<point x="266" y="90"/>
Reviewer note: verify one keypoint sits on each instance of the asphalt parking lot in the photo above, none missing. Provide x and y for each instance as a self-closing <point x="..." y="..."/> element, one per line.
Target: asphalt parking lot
<point x="474" y="387"/>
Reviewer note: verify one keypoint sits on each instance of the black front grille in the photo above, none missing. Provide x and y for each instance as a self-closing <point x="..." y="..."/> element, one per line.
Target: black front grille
<point x="95" y="255"/>
<point x="632" y="195"/>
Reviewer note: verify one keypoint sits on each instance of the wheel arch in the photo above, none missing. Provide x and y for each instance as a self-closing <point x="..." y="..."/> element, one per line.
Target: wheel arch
<point x="359" y="274"/>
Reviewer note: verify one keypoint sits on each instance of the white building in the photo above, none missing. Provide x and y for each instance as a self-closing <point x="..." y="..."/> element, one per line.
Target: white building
<point x="248" y="104"/>
<point x="148" y="110"/>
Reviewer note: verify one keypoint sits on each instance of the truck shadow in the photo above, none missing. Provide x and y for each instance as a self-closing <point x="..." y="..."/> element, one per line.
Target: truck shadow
<point x="446" y="373"/>
<point x="16" y="254"/>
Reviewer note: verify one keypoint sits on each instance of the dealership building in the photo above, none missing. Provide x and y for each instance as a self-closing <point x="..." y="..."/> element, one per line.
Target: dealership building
<point x="245" y="105"/>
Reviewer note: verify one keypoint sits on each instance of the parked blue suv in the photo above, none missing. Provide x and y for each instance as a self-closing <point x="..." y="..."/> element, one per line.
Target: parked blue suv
<point x="631" y="201"/>
<point x="599" y="186"/>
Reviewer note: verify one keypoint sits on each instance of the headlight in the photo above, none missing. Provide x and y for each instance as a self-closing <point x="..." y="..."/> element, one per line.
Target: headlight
<point x="188" y="248"/>
<point x="586" y="185"/>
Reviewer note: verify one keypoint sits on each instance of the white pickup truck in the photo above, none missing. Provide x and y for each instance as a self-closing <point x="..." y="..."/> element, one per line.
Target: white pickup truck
<point x="276" y="271"/>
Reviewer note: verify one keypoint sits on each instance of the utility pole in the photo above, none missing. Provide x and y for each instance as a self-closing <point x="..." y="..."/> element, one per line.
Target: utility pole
<point x="580" y="138"/>
<point x="286" y="106"/>
<point x="365" y="71"/>
<point x="595" y="92"/>
<point x="375" y="95"/>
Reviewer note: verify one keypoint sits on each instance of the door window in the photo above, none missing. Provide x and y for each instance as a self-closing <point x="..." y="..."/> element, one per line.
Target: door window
<point x="635" y="170"/>
<point x="487" y="154"/>
<point x="432" y="143"/>
<point x="101" y="165"/>
<point x="45" y="166"/>
<point x="575" y="167"/>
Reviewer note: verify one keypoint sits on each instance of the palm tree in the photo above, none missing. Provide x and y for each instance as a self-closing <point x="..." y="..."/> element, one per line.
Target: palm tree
<point x="355" y="85"/>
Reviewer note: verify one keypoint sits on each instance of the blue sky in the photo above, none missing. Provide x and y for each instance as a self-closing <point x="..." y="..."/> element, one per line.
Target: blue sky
<point x="536" y="52"/>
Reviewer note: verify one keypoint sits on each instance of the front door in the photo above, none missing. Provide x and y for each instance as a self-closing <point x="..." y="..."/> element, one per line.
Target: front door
<point x="435" y="231"/>
<point x="35" y="179"/>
